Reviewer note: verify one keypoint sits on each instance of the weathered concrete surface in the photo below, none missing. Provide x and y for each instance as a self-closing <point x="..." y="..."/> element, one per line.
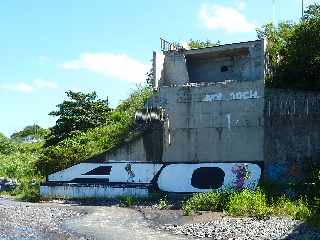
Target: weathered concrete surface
<point x="292" y="134"/>
<point x="174" y="69"/>
<point x="215" y="123"/>
<point x="129" y="151"/>
<point x="78" y="191"/>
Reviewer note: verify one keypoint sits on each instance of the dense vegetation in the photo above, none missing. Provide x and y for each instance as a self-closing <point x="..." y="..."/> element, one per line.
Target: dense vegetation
<point x="77" y="114"/>
<point x="85" y="135"/>
<point x="30" y="133"/>
<point x="249" y="203"/>
<point x="293" y="52"/>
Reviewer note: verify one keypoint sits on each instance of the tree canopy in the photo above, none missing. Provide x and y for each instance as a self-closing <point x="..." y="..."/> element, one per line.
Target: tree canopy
<point x="80" y="112"/>
<point x="293" y="52"/>
<point x="31" y="132"/>
<point x="81" y="145"/>
<point x="6" y="147"/>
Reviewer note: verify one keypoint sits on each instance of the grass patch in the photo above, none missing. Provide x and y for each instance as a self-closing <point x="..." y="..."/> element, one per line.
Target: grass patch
<point x="127" y="201"/>
<point x="212" y="201"/>
<point x="163" y="204"/>
<point x="297" y="209"/>
<point x="248" y="203"/>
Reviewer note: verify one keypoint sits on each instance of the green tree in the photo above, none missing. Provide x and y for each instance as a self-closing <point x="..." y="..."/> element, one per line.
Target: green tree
<point x="312" y="12"/>
<point x="277" y="50"/>
<point x="293" y="52"/>
<point x="32" y="131"/>
<point x="84" y="144"/>
<point x="79" y="112"/>
<point x="6" y="146"/>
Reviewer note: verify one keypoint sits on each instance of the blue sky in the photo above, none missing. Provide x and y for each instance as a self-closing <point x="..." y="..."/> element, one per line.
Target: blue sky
<point x="49" y="47"/>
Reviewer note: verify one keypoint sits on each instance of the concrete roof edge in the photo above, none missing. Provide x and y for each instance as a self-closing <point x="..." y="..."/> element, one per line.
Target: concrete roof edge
<point x="219" y="48"/>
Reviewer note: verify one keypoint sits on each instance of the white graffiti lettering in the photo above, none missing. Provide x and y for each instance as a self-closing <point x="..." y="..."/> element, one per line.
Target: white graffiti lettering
<point x="212" y="97"/>
<point x="241" y="95"/>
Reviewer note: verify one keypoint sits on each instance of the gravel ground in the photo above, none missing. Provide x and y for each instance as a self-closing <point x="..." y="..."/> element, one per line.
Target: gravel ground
<point x="67" y="220"/>
<point x="247" y="229"/>
<point x="33" y="221"/>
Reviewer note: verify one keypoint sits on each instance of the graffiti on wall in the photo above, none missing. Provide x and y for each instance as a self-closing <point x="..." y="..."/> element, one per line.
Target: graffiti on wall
<point x="242" y="173"/>
<point x="173" y="177"/>
<point x="292" y="170"/>
<point x="240" y="95"/>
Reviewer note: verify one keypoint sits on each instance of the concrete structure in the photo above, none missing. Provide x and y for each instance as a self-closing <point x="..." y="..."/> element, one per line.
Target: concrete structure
<point x="210" y="105"/>
<point x="208" y="99"/>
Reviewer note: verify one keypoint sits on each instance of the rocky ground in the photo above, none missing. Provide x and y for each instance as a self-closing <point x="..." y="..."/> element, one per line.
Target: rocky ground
<point x="57" y="221"/>
<point x="31" y="221"/>
<point x="247" y="229"/>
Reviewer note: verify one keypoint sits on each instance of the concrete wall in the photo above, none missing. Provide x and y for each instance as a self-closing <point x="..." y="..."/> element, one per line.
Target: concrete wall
<point x="174" y="69"/>
<point x="213" y="123"/>
<point x="148" y="147"/>
<point x="292" y="134"/>
<point x="157" y="68"/>
<point x="131" y="151"/>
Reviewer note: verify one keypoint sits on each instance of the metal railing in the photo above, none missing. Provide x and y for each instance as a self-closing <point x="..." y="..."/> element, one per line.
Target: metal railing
<point x="168" y="46"/>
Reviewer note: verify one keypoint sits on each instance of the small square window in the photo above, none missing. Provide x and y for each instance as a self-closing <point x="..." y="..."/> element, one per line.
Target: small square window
<point x="224" y="69"/>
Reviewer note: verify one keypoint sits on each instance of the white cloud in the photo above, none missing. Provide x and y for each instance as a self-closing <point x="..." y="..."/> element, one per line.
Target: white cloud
<point x="18" y="87"/>
<point x="119" y="66"/>
<point x="41" y="83"/>
<point x="229" y="19"/>
<point x="23" y="87"/>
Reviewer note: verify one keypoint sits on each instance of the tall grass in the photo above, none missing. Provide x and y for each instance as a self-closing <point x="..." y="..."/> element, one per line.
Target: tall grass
<point x="298" y="209"/>
<point x="248" y="203"/>
<point x="212" y="201"/>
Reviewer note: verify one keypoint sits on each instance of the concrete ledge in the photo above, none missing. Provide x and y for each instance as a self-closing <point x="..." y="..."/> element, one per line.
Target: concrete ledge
<point x="75" y="190"/>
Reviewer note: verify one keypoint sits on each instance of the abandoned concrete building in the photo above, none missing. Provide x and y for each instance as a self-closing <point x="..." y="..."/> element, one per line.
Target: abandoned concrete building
<point x="210" y="124"/>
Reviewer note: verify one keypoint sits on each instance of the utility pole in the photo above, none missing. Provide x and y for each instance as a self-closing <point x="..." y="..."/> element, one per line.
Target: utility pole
<point x="302" y="9"/>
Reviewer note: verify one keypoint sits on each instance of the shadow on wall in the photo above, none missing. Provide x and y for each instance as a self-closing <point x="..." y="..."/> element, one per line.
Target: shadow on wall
<point x="293" y="170"/>
<point x="150" y="123"/>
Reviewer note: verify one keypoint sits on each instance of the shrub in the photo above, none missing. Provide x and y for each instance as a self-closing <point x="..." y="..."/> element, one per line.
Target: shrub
<point x="127" y="201"/>
<point x="163" y="204"/>
<point x="29" y="189"/>
<point x="297" y="209"/>
<point x="21" y="167"/>
<point x="248" y="203"/>
<point x="212" y="201"/>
